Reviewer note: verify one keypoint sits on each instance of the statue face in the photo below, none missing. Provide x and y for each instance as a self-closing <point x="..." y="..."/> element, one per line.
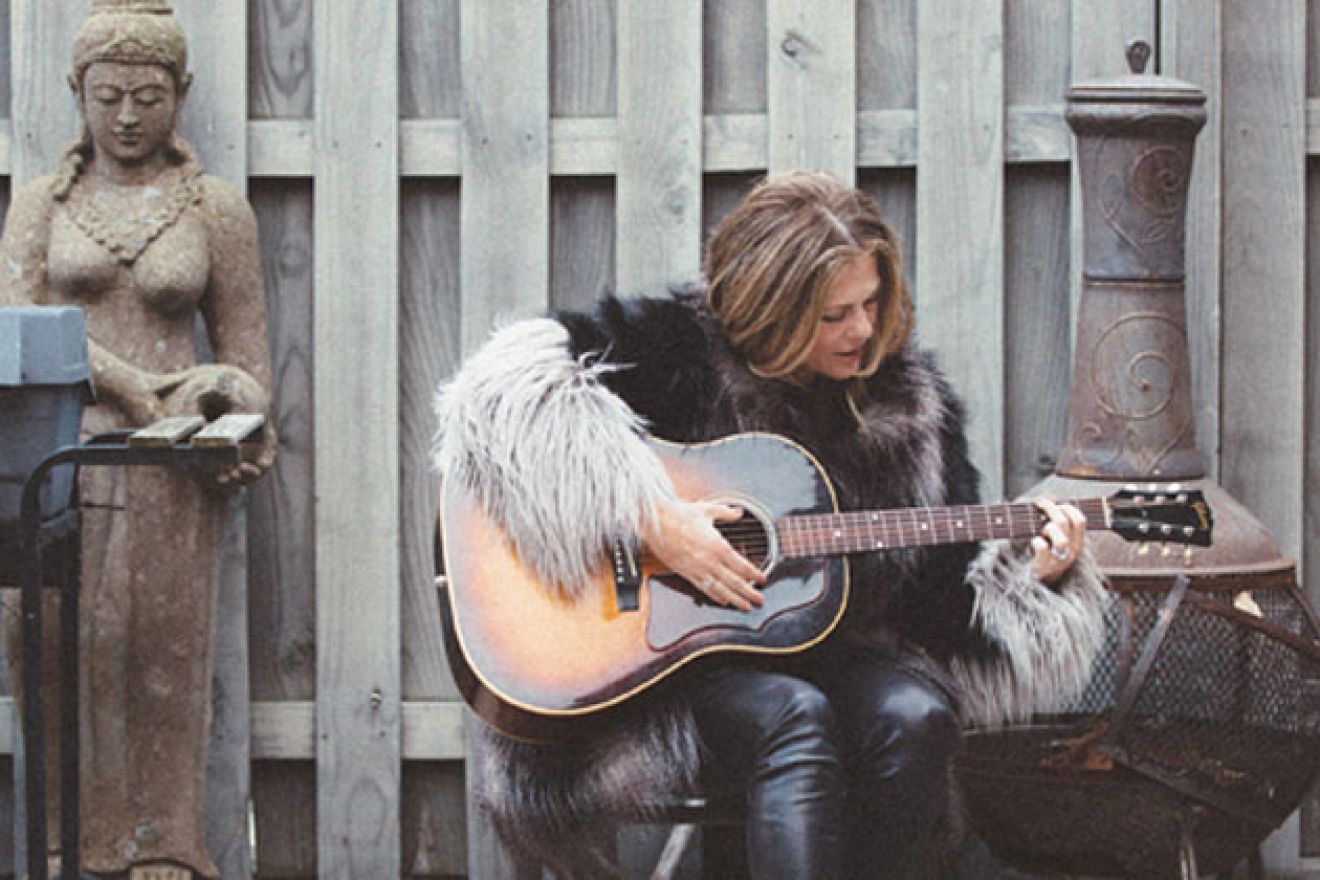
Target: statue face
<point x="130" y="110"/>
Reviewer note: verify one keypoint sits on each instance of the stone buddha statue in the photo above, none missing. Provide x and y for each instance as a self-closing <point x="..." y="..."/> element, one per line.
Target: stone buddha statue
<point x="130" y="229"/>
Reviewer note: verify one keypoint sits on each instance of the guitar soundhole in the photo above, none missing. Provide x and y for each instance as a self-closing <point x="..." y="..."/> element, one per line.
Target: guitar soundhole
<point x="750" y="536"/>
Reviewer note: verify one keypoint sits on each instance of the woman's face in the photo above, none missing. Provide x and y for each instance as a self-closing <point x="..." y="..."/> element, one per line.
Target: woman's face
<point x="130" y="110"/>
<point x="847" y="321"/>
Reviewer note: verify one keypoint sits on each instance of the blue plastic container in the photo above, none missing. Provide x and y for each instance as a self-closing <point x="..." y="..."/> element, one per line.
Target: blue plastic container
<point x="45" y="381"/>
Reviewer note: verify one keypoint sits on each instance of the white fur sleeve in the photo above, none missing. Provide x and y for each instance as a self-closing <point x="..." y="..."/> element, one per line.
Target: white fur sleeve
<point x="1047" y="639"/>
<point x="554" y="457"/>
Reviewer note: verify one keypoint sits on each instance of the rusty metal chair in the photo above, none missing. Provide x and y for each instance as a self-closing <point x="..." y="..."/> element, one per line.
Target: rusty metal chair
<point x="1198" y="736"/>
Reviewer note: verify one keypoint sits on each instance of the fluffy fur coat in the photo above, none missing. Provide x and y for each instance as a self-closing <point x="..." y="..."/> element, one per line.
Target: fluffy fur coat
<point x="547" y="419"/>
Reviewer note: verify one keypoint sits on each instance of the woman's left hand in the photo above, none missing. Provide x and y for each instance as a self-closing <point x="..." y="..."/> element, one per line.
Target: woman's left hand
<point x="1060" y="542"/>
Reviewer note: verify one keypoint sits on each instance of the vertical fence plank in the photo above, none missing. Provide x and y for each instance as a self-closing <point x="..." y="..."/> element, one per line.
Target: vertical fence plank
<point x="734" y="65"/>
<point x="428" y="339"/>
<point x="281" y="530"/>
<point x="584" y="58"/>
<point x="1191" y="44"/>
<point x="584" y="82"/>
<point x="433" y="826"/>
<point x="1037" y="324"/>
<point x="6" y="64"/>
<point x="1310" y="814"/>
<point x="887" y="80"/>
<point x="659" y="176"/>
<point x="214" y="118"/>
<point x="1264" y="152"/>
<point x="280" y="79"/>
<point x="734" y="56"/>
<point x="505" y="227"/>
<point x="960" y="223"/>
<point x="44" y="112"/>
<point x="356" y="388"/>
<point x="214" y="121"/>
<point x="813" y="85"/>
<point x="229" y="764"/>
<point x="429" y="84"/>
<point x="506" y="163"/>
<point x="887" y="54"/>
<point x="1309" y="832"/>
<point x="1036" y="268"/>
<point x="582" y="244"/>
<point x="281" y="537"/>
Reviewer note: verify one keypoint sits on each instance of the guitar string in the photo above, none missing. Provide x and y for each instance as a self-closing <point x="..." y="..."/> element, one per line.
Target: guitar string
<point x="1016" y="518"/>
<point x="857" y="531"/>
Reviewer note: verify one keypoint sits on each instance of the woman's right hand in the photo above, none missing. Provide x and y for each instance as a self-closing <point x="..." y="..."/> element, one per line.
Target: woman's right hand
<point x="683" y="537"/>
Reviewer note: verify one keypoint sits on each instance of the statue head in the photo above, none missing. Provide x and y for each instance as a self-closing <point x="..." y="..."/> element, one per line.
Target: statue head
<point x="134" y="48"/>
<point x="132" y="32"/>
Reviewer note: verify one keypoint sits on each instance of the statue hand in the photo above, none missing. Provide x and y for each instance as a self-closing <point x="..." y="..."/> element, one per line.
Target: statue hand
<point x="212" y="390"/>
<point x="142" y="406"/>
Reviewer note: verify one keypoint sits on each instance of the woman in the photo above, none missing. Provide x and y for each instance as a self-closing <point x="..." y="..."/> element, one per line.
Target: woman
<point x="131" y="230"/>
<point x="841" y="754"/>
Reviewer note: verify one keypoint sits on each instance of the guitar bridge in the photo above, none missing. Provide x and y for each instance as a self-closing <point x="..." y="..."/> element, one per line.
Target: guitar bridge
<point x="627" y="575"/>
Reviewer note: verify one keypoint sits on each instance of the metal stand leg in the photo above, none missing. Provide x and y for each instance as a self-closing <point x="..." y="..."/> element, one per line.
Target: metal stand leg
<point x="33" y="719"/>
<point x="70" y="693"/>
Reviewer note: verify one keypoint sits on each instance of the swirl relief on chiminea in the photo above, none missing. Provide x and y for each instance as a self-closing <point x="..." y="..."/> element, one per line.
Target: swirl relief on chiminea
<point x="1143" y="199"/>
<point x="1136" y="370"/>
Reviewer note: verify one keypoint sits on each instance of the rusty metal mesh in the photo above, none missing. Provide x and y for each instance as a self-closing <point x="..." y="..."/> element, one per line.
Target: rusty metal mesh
<point x="1209" y="727"/>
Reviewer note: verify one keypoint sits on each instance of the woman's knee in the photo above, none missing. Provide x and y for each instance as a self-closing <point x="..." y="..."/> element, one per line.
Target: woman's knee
<point x="912" y="722"/>
<point x="798" y="722"/>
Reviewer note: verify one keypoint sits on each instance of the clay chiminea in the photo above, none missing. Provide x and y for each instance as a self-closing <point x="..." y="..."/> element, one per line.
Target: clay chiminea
<point x="1131" y="417"/>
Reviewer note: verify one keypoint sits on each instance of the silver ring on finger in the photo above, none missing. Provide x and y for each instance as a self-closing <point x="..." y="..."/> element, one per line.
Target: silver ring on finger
<point x="1059" y="553"/>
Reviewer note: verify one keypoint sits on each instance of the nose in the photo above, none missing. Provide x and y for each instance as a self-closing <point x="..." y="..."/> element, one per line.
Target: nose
<point x="127" y="114"/>
<point x="862" y="325"/>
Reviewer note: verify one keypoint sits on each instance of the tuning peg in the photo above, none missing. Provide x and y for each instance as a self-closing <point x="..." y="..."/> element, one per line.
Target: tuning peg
<point x="1166" y="550"/>
<point x="1143" y="548"/>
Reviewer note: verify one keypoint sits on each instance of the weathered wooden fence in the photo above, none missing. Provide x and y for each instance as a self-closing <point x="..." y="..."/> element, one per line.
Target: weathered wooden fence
<point x="421" y="168"/>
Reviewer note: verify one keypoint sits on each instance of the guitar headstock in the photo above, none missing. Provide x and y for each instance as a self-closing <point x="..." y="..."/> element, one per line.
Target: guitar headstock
<point x="1170" y="514"/>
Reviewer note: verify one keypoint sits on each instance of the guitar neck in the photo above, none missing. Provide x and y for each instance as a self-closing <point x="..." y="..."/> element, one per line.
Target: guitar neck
<point x="813" y="535"/>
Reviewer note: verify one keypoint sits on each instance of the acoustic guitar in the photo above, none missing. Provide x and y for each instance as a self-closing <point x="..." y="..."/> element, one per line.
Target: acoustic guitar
<point x="538" y="667"/>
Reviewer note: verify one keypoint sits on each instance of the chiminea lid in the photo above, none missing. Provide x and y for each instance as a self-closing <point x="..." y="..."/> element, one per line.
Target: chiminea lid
<point x="1138" y="86"/>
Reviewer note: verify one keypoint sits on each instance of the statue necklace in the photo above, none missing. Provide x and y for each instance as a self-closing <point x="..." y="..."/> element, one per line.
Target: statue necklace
<point x="126" y="220"/>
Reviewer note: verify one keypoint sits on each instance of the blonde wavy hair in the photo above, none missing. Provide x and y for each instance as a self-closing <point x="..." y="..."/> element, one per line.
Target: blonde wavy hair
<point x="770" y="263"/>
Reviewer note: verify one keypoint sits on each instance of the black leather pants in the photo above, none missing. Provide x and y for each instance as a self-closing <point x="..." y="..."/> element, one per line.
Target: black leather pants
<point x="845" y="774"/>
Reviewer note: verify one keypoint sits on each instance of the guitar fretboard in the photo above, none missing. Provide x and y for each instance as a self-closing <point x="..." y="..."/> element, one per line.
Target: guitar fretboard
<point x="826" y="534"/>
